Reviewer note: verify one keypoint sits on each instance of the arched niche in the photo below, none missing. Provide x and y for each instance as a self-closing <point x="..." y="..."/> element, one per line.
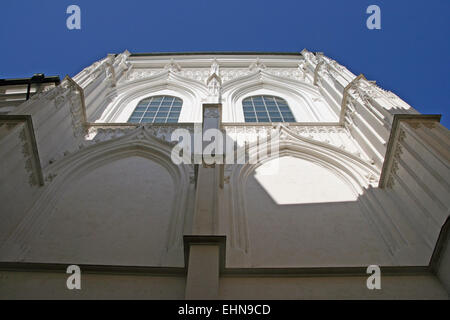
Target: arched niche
<point x="304" y="100"/>
<point x="128" y="95"/>
<point x="324" y="226"/>
<point x="125" y="195"/>
<point x="290" y="180"/>
<point x="116" y="213"/>
<point x="297" y="104"/>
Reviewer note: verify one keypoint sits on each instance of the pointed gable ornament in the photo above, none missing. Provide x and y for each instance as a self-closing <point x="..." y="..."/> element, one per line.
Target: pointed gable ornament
<point x="214" y="82"/>
<point x="173" y="66"/>
<point x="214" y="67"/>
<point x="257" y="65"/>
<point x="110" y="71"/>
<point x="303" y="70"/>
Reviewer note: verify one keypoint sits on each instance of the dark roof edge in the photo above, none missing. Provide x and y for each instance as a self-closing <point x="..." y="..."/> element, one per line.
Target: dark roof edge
<point x="20" y="81"/>
<point x="214" y="53"/>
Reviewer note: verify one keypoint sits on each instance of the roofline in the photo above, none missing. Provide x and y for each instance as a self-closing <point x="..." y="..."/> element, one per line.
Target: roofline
<point x="21" y="81"/>
<point x="145" y="54"/>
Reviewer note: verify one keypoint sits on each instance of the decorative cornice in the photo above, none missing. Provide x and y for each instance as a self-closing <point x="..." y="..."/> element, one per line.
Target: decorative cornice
<point x="219" y="240"/>
<point x="173" y="66"/>
<point x="316" y="72"/>
<point x="237" y="53"/>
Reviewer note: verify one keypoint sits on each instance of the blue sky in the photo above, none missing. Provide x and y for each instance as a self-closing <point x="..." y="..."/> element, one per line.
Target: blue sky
<point x="410" y="55"/>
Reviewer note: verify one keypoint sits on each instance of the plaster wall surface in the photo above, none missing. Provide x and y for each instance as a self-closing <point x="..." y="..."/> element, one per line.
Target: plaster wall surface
<point x="392" y="287"/>
<point x="333" y="233"/>
<point x="118" y="213"/>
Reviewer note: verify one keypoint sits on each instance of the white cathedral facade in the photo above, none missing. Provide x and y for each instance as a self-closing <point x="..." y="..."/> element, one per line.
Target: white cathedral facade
<point x="87" y="178"/>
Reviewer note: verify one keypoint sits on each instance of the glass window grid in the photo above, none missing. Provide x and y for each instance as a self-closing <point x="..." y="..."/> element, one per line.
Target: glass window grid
<point x="266" y="109"/>
<point x="157" y="109"/>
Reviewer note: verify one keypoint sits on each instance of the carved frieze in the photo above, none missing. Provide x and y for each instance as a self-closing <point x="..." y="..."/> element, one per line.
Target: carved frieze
<point x="397" y="152"/>
<point x="225" y="74"/>
<point x="173" y="66"/>
<point x="336" y="136"/>
<point x="161" y="131"/>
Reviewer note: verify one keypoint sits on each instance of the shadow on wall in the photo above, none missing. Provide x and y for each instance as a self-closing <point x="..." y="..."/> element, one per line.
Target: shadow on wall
<point x="315" y="218"/>
<point x="290" y="180"/>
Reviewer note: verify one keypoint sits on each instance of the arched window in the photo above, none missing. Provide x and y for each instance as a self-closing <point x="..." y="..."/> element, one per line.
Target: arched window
<point x="266" y="109"/>
<point x="157" y="109"/>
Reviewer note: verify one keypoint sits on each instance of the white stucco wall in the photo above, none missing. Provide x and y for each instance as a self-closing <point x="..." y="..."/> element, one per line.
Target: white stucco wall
<point x="115" y="214"/>
<point x="308" y="233"/>
<point x="294" y="288"/>
<point x="41" y="285"/>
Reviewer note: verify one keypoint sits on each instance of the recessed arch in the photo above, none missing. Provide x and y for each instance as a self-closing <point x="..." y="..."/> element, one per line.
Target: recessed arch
<point x="291" y="180"/>
<point x="137" y="144"/>
<point x="126" y="96"/>
<point x="354" y="173"/>
<point x="298" y="95"/>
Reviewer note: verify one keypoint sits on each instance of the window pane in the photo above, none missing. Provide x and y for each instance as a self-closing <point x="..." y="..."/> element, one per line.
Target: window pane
<point x="146" y="100"/>
<point x="156" y="109"/>
<point x="168" y="99"/>
<point x="267" y="108"/>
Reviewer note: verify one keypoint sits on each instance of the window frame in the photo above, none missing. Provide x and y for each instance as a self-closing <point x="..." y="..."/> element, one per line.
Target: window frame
<point x="266" y="108"/>
<point x="157" y="109"/>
